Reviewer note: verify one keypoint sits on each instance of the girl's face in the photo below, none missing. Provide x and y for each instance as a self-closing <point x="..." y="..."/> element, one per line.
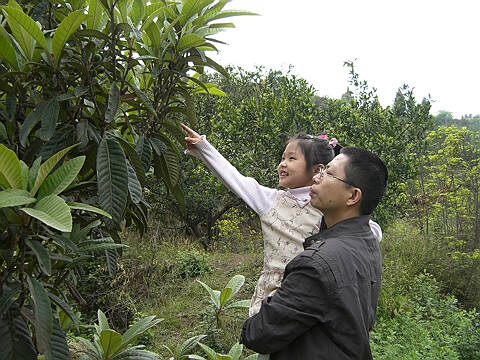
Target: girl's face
<point x="292" y="170"/>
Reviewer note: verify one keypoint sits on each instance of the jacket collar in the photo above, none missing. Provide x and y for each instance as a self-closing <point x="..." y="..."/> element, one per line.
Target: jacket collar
<point x="353" y="225"/>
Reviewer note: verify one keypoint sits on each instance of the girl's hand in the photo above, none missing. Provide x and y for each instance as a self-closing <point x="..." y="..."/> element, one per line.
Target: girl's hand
<point x="192" y="138"/>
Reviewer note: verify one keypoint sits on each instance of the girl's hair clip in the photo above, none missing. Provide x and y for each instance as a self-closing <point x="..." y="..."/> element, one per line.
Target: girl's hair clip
<point x="332" y="141"/>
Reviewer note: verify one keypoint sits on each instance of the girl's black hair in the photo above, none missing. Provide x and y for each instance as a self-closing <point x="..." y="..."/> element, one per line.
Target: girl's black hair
<point x="315" y="150"/>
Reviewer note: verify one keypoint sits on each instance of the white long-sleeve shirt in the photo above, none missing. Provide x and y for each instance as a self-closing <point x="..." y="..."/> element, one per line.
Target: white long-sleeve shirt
<point x="258" y="197"/>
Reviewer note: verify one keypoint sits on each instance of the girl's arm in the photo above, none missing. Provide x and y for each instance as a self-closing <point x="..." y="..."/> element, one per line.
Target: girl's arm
<point x="259" y="198"/>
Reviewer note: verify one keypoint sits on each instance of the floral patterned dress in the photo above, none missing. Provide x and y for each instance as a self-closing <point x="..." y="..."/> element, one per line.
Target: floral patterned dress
<point x="284" y="228"/>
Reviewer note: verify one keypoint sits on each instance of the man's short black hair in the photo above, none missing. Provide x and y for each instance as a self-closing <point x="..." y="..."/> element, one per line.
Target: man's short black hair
<point x="369" y="173"/>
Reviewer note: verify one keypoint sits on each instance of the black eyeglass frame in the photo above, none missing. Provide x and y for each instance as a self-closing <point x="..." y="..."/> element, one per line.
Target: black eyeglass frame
<point x="323" y="171"/>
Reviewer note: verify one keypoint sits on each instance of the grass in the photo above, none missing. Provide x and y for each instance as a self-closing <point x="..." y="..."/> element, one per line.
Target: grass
<point x="150" y="274"/>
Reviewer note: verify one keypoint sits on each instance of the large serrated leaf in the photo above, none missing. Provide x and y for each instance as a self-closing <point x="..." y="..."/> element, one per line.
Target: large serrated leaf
<point x="42" y="255"/>
<point x="111" y="178"/>
<point x="188" y="345"/>
<point x="188" y="41"/>
<point x="96" y="11"/>
<point x="52" y="211"/>
<point x="214" y="295"/>
<point x="236" y="351"/>
<point x="58" y="349"/>
<point x="134" y="159"/>
<point x="55" y="183"/>
<point x="225" y="296"/>
<point x="11" y="170"/>
<point x="111" y="341"/>
<point x="7" y="51"/>
<point x="144" y="99"/>
<point x="66" y="29"/>
<point x="15" y="340"/>
<point x="86" y="207"/>
<point x="134" y="187"/>
<point x="43" y="314"/>
<point x="139" y="328"/>
<point x="47" y="166"/>
<point x="144" y="151"/>
<point x="15" y="197"/>
<point x="48" y="118"/>
<point x="111" y="256"/>
<point x="8" y="297"/>
<point x="47" y="114"/>
<point x="113" y="102"/>
<point x="25" y="30"/>
<point x="235" y="283"/>
<point x="65" y="307"/>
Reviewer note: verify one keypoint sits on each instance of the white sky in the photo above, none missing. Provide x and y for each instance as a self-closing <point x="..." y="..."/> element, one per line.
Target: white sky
<point x="433" y="46"/>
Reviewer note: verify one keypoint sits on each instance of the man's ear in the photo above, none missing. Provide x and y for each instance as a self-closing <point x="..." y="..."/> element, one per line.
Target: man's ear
<point x="355" y="197"/>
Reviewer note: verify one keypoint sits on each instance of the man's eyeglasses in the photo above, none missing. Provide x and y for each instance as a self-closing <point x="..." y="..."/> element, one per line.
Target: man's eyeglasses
<point x="324" y="172"/>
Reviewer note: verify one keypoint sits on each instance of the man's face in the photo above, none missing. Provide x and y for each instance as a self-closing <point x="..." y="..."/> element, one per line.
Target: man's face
<point x="328" y="193"/>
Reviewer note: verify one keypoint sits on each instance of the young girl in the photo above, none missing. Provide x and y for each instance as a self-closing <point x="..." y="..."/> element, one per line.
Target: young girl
<point x="287" y="217"/>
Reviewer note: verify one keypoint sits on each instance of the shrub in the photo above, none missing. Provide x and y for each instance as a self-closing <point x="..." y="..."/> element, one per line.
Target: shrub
<point x="416" y="322"/>
<point x="191" y="263"/>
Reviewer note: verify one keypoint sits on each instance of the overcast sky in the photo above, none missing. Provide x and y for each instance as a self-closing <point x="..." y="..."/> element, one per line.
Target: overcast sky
<point x="433" y="46"/>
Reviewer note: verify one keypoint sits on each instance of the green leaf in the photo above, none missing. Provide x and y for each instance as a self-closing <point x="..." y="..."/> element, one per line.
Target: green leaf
<point x="65" y="307"/>
<point x="96" y="11"/>
<point x="134" y="187"/>
<point x="41" y="254"/>
<point x="144" y="150"/>
<point x="188" y="41"/>
<point x="138" y="11"/>
<point x="86" y="207"/>
<point x="47" y="113"/>
<point x="33" y="172"/>
<point x="11" y="105"/>
<point x="52" y="211"/>
<point x="25" y="30"/>
<point x="236" y="283"/>
<point x="134" y="159"/>
<point x="55" y="183"/>
<point x="65" y="30"/>
<point x="212" y="354"/>
<point x="113" y="102"/>
<point x="7" y="51"/>
<point x="111" y="256"/>
<point x="236" y="351"/>
<point x="49" y="117"/>
<point x="102" y="247"/>
<point x="139" y="328"/>
<point x="11" y="170"/>
<point x="180" y="197"/>
<point x="102" y="322"/>
<point x="15" y="197"/>
<point x="225" y="296"/>
<point x="241" y="304"/>
<point x="188" y="345"/>
<point x="8" y="297"/>
<point x="47" y="166"/>
<point x="15" y="340"/>
<point x="111" y="341"/>
<point x="43" y="314"/>
<point x="214" y="296"/>
<point x="229" y="13"/>
<point x="111" y="178"/>
<point x="144" y="99"/>
<point x="58" y="349"/>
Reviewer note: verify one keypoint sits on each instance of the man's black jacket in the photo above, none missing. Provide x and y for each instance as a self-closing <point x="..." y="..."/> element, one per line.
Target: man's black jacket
<point x="327" y="302"/>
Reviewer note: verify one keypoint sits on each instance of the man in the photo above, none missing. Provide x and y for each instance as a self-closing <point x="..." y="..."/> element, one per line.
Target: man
<point x="326" y="304"/>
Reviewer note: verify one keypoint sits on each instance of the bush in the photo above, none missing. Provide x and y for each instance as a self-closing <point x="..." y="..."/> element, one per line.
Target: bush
<point x="457" y="271"/>
<point x="191" y="263"/>
<point x="416" y="322"/>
